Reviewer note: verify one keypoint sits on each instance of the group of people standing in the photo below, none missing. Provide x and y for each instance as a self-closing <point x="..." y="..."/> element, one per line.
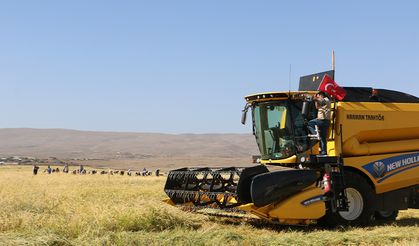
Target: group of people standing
<point x="49" y="169"/>
<point x="82" y="170"/>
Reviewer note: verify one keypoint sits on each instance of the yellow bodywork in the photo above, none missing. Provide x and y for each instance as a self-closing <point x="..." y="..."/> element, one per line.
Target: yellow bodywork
<point x="377" y="128"/>
<point x="291" y="210"/>
<point x="376" y="132"/>
<point x="367" y="132"/>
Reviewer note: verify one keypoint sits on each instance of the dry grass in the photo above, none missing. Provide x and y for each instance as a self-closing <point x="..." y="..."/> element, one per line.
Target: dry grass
<point x="60" y="209"/>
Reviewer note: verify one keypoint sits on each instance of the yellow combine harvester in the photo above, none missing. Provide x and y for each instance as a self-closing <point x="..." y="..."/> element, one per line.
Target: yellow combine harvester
<point x="370" y="171"/>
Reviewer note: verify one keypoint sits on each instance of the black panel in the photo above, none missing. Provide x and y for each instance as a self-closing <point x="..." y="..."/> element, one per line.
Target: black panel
<point x="272" y="187"/>
<point x="243" y="187"/>
<point x="363" y="94"/>
<point x="395" y="200"/>
<point x="311" y="82"/>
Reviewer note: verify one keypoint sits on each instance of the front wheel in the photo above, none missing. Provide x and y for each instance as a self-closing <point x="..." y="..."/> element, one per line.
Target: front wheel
<point x="360" y="204"/>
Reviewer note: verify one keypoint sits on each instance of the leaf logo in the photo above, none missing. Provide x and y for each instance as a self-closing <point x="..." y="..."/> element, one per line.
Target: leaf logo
<point x="379" y="169"/>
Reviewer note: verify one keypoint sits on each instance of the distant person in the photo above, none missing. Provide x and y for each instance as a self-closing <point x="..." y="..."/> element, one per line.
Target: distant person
<point x="35" y="169"/>
<point x="92" y="172"/>
<point x="81" y="169"/>
<point x="65" y="169"/>
<point x="374" y="96"/>
<point x="322" y="121"/>
<point x="49" y="169"/>
<point x="129" y="172"/>
<point x="157" y="172"/>
<point x="144" y="172"/>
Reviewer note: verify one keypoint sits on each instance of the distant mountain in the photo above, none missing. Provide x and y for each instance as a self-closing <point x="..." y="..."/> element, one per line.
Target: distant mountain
<point x="71" y="144"/>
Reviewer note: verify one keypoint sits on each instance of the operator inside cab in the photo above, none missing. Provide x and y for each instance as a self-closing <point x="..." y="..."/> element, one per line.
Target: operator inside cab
<point x="322" y="121"/>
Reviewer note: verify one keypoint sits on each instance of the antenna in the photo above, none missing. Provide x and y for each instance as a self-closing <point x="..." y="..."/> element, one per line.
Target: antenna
<point x="289" y="80"/>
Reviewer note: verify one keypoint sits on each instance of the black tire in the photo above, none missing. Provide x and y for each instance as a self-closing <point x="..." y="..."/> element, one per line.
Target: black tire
<point x="386" y="216"/>
<point x="361" y="200"/>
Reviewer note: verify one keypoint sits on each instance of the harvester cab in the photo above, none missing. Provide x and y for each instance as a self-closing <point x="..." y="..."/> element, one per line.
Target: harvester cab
<point x="370" y="170"/>
<point x="280" y="125"/>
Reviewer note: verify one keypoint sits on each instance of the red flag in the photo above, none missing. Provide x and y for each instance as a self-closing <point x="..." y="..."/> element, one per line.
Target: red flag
<point x="329" y="86"/>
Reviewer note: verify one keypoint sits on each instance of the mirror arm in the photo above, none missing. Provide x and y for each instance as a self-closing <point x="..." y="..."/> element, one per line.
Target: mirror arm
<point x="244" y="113"/>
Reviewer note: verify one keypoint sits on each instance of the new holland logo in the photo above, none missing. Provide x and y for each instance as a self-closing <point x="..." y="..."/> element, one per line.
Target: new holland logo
<point x="388" y="167"/>
<point x="379" y="169"/>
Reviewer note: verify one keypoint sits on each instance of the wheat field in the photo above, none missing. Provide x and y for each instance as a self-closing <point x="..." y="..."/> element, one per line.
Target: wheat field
<point x="66" y="209"/>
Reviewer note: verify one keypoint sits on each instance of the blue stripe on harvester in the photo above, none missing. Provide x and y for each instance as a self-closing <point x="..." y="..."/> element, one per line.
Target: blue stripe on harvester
<point x="396" y="172"/>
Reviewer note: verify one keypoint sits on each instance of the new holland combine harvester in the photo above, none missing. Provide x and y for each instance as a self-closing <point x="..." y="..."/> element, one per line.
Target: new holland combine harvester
<point x="370" y="172"/>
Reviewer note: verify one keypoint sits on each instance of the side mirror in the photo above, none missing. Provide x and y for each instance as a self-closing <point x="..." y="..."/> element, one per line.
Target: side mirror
<point x="306" y="106"/>
<point x="304" y="109"/>
<point x="244" y="114"/>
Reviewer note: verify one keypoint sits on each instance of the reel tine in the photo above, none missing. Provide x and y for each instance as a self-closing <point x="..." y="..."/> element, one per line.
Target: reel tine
<point x="203" y="186"/>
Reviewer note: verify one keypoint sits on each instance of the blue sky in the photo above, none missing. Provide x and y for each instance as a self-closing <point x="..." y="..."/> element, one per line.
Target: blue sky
<point x="185" y="66"/>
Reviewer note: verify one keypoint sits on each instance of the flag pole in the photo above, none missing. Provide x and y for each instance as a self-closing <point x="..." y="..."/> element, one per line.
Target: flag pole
<point x="333" y="63"/>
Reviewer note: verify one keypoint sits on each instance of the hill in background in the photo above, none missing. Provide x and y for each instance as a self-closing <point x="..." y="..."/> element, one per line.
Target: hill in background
<point x="129" y="149"/>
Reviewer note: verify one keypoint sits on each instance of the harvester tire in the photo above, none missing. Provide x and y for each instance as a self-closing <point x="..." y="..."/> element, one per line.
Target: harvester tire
<point x="360" y="198"/>
<point x="386" y="216"/>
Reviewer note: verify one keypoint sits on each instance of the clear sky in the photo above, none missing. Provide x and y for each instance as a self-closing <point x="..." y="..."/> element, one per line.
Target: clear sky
<point x="185" y="66"/>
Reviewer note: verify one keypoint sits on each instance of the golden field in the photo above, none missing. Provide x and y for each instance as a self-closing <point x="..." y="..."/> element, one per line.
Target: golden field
<point x="66" y="209"/>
